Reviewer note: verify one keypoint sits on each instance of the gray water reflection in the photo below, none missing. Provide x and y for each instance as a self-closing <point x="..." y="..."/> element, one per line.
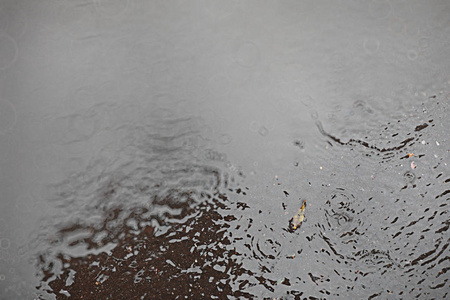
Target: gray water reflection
<point x="160" y="149"/>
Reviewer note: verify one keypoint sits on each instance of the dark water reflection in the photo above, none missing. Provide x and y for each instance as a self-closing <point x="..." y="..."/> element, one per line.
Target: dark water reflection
<point x="155" y="216"/>
<point x="169" y="221"/>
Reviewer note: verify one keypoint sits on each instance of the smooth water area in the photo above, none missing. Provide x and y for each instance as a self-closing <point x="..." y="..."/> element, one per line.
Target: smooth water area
<point x="164" y="149"/>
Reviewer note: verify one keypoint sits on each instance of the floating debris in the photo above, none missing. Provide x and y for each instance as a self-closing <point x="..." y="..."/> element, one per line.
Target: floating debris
<point x="297" y="220"/>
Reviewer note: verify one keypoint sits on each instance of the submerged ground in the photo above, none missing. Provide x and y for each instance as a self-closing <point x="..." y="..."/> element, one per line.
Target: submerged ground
<point x="161" y="150"/>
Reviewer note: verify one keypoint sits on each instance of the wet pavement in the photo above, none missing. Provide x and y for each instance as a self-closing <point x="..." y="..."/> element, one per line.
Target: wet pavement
<point x="212" y="150"/>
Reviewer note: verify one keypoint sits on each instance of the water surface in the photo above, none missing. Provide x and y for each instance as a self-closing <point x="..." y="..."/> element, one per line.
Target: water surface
<point x="159" y="150"/>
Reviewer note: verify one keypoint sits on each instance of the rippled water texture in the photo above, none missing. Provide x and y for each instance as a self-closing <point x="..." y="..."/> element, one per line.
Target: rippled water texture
<point x="153" y="222"/>
<point x="203" y="150"/>
<point x="171" y="221"/>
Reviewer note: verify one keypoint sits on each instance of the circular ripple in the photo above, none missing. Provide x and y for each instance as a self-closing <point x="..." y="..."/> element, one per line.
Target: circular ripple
<point x="371" y="46"/>
<point x="308" y="101"/>
<point x="254" y="126"/>
<point x="343" y="216"/>
<point x="412" y="54"/>
<point x="373" y="260"/>
<point x="8" y="50"/>
<point x="5" y="243"/>
<point x="409" y="176"/>
<point x="361" y="105"/>
<point x="266" y="248"/>
<point x="263" y="131"/>
<point x="225" y="139"/>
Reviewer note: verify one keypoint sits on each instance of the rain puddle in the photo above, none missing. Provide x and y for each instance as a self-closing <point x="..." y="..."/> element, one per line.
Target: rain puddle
<point x="169" y="219"/>
<point x="247" y="150"/>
